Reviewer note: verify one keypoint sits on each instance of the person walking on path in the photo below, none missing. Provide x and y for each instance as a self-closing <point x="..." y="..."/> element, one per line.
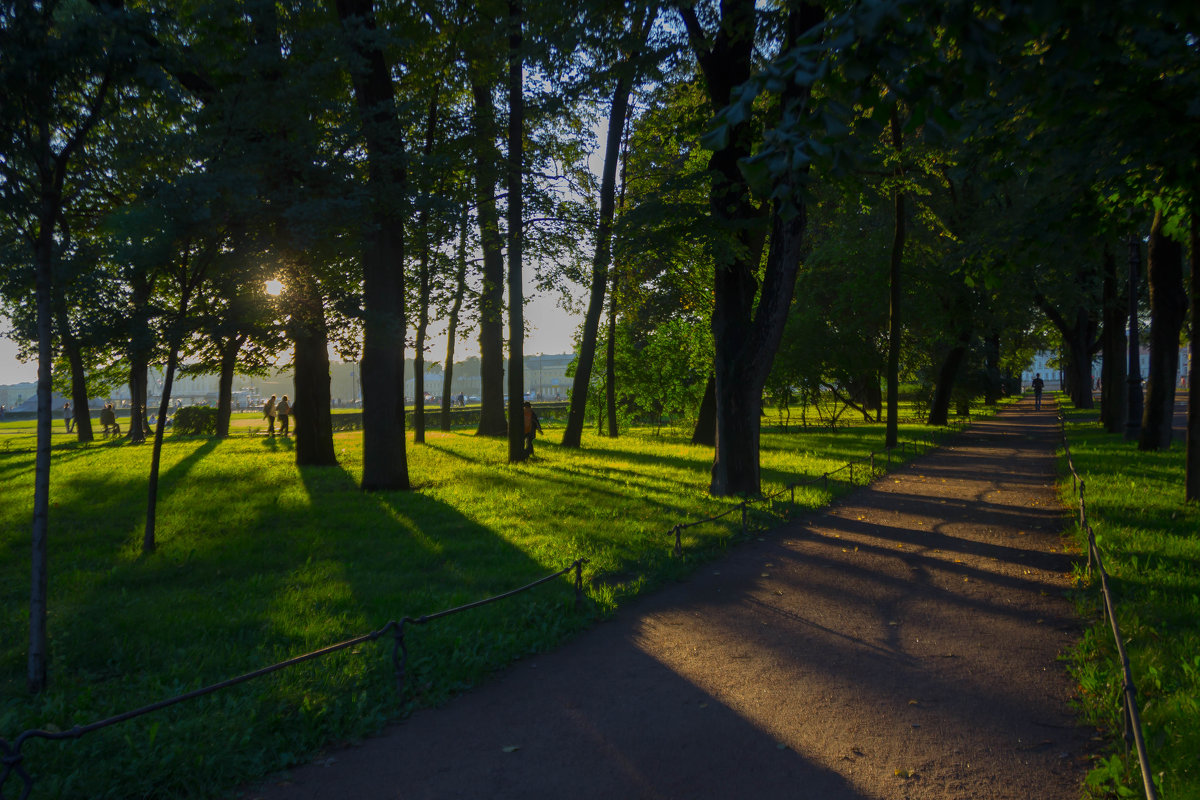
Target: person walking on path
<point x="269" y="414"/>
<point x="902" y="643"/>
<point x="1038" y="385"/>
<point x="283" y="409"/>
<point x="532" y="428"/>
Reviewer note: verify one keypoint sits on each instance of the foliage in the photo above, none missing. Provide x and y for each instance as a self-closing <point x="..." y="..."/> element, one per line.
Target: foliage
<point x="195" y="421"/>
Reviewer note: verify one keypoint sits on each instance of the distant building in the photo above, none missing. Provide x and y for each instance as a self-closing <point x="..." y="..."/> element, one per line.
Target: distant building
<point x="1052" y="375"/>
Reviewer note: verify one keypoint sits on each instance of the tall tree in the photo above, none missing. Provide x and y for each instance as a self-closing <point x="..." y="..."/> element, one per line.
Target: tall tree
<point x="515" y="163"/>
<point x="748" y="317"/>
<point x="602" y="257"/>
<point x="385" y="461"/>
<point x="1168" y="307"/>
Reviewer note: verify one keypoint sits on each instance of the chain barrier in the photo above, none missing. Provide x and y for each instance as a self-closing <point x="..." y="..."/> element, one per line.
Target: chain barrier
<point x="1132" y="734"/>
<point x="790" y="489"/>
<point x="11" y="756"/>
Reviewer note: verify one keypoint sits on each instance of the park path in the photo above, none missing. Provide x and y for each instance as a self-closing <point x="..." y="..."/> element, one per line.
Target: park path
<point x="902" y="643"/>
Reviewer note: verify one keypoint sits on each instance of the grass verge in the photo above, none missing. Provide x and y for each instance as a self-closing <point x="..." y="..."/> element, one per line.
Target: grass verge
<point x="259" y="561"/>
<point x="1147" y="536"/>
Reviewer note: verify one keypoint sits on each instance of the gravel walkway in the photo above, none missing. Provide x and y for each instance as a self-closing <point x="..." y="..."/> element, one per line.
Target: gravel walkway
<point x="903" y="643"/>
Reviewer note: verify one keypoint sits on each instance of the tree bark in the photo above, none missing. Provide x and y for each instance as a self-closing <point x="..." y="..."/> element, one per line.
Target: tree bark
<point x="311" y="412"/>
<point x="460" y="290"/>
<point x="79" y="392"/>
<point x="1168" y="307"/>
<point x="992" y="358"/>
<point x="1192" y="458"/>
<point x="516" y="234"/>
<point x="229" y="351"/>
<point x="491" y="294"/>
<point x="39" y="584"/>
<point x="610" y="369"/>
<point x="706" y="418"/>
<point x="424" y="287"/>
<point x="892" y="434"/>
<point x="1113" y="390"/>
<point x="939" y="408"/>
<point x="385" y="460"/>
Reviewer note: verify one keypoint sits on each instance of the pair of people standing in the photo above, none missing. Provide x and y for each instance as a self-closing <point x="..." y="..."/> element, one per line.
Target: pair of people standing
<point x="281" y="409"/>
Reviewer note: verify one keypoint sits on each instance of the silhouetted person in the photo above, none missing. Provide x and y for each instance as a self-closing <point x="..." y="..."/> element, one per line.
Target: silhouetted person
<point x="532" y="428"/>
<point x="283" y="409"/>
<point x="269" y="414"/>
<point x="1038" y="385"/>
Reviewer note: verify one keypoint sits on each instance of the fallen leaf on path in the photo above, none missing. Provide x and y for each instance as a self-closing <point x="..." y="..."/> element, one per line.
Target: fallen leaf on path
<point x="904" y="772"/>
<point x="512" y="748"/>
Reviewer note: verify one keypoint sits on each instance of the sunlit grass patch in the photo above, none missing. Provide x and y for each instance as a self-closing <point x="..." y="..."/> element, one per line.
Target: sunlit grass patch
<point x="259" y="560"/>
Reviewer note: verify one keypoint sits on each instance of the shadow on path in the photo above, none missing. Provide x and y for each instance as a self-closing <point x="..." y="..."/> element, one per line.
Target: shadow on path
<point x="901" y="644"/>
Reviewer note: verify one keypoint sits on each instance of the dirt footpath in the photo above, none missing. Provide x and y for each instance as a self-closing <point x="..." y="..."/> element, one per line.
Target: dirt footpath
<point x="901" y="644"/>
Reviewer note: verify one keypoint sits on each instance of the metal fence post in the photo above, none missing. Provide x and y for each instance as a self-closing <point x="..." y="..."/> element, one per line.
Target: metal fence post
<point x="678" y="543"/>
<point x="743" y="516"/>
<point x="578" y="583"/>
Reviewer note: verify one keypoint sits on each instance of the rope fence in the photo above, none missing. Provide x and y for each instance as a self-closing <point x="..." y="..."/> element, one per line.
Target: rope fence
<point x="1132" y="734"/>
<point x="868" y="465"/>
<point x="11" y="756"/>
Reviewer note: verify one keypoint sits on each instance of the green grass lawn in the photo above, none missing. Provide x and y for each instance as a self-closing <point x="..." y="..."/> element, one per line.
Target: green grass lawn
<point x="259" y="560"/>
<point x="1148" y="537"/>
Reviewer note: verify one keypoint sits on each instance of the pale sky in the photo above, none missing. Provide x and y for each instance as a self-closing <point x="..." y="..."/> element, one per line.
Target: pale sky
<point x="551" y="331"/>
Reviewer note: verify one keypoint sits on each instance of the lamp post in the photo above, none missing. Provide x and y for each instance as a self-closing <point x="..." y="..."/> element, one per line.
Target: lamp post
<point x="1133" y="423"/>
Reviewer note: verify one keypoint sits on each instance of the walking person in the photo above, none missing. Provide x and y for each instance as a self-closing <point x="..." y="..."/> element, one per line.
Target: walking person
<point x="532" y="428"/>
<point x="283" y="409"/>
<point x="68" y="418"/>
<point x="269" y="414"/>
<point x="1038" y="384"/>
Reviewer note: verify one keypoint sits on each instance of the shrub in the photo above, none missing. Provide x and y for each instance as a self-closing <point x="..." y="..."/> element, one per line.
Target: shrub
<point x="196" y="420"/>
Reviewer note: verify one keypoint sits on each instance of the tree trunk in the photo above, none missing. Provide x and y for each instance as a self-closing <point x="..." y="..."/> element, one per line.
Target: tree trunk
<point x="1192" y="475"/>
<point x="516" y="234"/>
<point x="491" y="293"/>
<point x="939" y="408"/>
<point x="460" y="289"/>
<point x="706" y="418"/>
<point x="992" y="391"/>
<point x="610" y="379"/>
<point x="313" y="423"/>
<point x="745" y="338"/>
<point x="424" y="287"/>
<point x="229" y="351"/>
<point x="602" y="257"/>
<point x="1113" y="390"/>
<point x="1168" y="307"/>
<point x="79" y="392"/>
<point x="892" y="435"/>
<point x="39" y="650"/>
<point x="385" y="460"/>
<point x="141" y="345"/>
<point x="149" y="545"/>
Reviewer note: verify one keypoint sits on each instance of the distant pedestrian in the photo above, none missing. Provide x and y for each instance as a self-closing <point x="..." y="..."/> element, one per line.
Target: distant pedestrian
<point x="68" y="418"/>
<point x="532" y="428"/>
<point x="1038" y="385"/>
<point x="283" y="409"/>
<point x="269" y="414"/>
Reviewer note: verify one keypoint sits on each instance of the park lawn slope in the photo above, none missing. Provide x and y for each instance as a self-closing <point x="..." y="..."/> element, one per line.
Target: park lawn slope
<point x="259" y="561"/>
<point x="1148" y="539"/>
